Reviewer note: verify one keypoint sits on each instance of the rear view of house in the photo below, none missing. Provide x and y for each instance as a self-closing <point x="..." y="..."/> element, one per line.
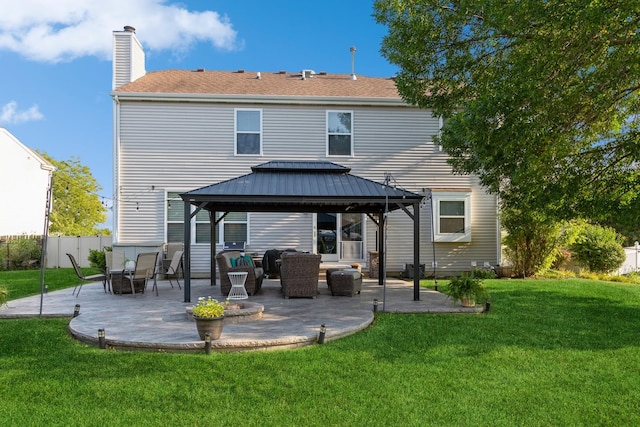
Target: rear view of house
<point x="179" y="130"/>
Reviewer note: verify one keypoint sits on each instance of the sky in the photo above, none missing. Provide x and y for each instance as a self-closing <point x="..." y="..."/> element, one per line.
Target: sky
<point x="56" y="69"/>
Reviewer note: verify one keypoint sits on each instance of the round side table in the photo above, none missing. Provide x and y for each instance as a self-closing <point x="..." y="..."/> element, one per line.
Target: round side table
<point x="237" y="285"/>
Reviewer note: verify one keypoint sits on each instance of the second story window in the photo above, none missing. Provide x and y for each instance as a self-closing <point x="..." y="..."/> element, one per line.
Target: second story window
<point x="248" y="132"/>
<point x="339" y="133"/>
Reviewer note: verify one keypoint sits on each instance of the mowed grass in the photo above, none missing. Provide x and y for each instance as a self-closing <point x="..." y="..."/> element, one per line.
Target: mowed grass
<point x="549" y="353"/>
<point x="22" y="283"/>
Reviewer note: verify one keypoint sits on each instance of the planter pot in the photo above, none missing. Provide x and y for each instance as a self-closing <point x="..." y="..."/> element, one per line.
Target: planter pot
<point x="468" y="302"/>
<point x="213" y="326"/>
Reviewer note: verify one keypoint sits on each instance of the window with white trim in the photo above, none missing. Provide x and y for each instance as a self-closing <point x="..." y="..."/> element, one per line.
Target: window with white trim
<point x="235" y="226"/>
<point x="452" y="216"/>
<point x="339" y="133"/>
<point x="248" y="129"/>
<point x="175" y="218"/>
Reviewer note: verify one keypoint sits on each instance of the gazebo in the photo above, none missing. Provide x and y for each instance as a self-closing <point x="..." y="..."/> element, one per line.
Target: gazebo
<point x="301" y="186"/>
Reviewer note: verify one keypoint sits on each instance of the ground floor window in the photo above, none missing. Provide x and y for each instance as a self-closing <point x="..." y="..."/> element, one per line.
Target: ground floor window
<point x="233" y="227"/>
<point x="451" y="212"/>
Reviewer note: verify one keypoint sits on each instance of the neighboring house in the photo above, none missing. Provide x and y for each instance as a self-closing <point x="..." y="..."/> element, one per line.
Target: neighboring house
<point x="179" y="130"/>
<point x="24" y="182"/>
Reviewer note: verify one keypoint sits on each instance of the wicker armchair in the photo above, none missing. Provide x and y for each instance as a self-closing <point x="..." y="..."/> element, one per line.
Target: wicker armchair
<point x="254" y="274"/>
<point x="299" y="274"/>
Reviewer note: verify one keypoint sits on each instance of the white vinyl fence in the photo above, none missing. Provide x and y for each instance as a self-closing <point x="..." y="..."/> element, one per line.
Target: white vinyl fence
<point x="59" y="246"/>
<point x="632" y="262"/>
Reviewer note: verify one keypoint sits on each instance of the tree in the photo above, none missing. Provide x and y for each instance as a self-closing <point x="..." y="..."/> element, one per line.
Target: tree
<point x="542" y="98"/>
<point x="77" y="209"/>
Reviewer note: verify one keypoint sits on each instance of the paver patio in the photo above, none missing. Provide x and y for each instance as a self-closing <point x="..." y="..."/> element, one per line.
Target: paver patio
<point x="147" y="321"/>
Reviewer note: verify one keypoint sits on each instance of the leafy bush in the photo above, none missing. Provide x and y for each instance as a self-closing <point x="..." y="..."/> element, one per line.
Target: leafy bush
<point x="599" y="249"/>
<point x="483" y="273"/>
<point x="25" y="252"/>
<point x="97" y="259"/>
<point x="532" y="242"/>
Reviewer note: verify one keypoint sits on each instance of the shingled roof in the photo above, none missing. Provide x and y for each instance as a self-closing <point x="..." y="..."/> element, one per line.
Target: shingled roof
<point x="267" y="84"/>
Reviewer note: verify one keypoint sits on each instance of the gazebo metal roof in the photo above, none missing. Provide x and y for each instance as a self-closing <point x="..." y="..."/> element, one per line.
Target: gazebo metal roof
<point x="301" y="186"/>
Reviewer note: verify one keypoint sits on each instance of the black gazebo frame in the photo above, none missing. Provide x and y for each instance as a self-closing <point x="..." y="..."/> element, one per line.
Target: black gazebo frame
<point x="302" y="186"/>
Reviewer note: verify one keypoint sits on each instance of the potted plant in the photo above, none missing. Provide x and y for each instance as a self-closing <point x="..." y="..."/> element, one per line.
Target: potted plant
<point x="209" y="317"/>
<point x="466" y="288"/>
<point x="4" y="296"/>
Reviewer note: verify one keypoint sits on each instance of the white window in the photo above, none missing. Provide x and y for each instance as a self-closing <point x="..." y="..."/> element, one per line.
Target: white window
<point x="175" y="218"/>
<point x="452" y="216"/>
<point x="248" y="132"/>
<point x="339" y="133"/>
<point x="235" y="226"/>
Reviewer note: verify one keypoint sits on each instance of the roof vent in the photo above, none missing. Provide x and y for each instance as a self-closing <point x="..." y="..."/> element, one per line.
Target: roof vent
<point x="307" y="74"/>
<point x="200" y="70"/>
<point x="282" y="72"/>
<point x="322" y="73"/>
<point x="129" y="28"/>
<point x="259" y="76"/>
<point x="240" y="71"/>
<point x="352" y="49"/>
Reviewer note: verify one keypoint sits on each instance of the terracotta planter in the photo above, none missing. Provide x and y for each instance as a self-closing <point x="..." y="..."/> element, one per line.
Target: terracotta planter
<point x="213" y="326"/>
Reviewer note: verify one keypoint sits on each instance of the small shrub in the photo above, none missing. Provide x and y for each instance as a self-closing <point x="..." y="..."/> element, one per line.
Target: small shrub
<point x="485" y="273"/>
<point x="599" y="249"/>
<point x="26" y="252"/>
<point x="97" y="259"/>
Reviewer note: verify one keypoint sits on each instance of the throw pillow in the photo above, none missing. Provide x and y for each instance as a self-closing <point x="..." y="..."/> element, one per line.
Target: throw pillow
<point x="244" y="261"/>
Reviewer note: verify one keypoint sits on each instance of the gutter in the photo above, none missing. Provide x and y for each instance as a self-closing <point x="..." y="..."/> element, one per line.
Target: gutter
<point x="260" y="99"/>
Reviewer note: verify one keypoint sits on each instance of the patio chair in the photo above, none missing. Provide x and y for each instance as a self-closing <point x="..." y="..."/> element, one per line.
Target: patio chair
<point x="145" y="269"/>
<point x="91" y="278"/>
<point x="176" y="264"/>
<point x="255" y="274"/>
<point x="299" y="273"/>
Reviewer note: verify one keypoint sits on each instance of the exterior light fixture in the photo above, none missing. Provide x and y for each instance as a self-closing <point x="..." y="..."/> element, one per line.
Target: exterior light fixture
<point x="207" y="342"/>
<point x="323" y="331"/>
<point x="487" y="306"/>
<point x="76" y="310"/>
<point x="375" y="305"/>
<point x="102" y="342"/>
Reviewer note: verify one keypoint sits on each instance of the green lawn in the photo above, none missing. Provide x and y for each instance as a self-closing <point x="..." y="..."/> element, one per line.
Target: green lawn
<point x="549" y="353"/>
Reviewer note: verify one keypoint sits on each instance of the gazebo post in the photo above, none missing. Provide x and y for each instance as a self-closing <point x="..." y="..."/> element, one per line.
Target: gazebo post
<point x="381" y="237"/>
<point x="416" y="251"/>
<point x="212" y="224"/>
<point x="187" y="252"/>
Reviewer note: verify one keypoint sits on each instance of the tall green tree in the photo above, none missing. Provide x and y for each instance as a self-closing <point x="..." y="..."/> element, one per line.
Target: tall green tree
<point x="542" y="98"/>
<point x="77" y="209"/>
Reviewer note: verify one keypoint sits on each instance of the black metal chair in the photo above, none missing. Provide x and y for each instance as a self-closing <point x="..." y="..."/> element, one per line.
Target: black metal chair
<point x="91" y="278"/>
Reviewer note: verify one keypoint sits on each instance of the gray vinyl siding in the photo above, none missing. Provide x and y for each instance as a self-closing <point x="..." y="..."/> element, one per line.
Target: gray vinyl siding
<point x="183" y="146"/>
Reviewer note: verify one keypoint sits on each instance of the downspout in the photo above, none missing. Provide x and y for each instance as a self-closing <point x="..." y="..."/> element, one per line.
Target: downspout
<point x="116" y="167"/>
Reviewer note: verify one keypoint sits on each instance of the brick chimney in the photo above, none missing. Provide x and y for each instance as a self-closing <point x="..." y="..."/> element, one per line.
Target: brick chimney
<point x="128" y="57"/>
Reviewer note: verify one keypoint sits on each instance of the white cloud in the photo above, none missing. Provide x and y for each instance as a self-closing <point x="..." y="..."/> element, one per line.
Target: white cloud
<point x="62" y="30"/>
<point x="10" y="114"/>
